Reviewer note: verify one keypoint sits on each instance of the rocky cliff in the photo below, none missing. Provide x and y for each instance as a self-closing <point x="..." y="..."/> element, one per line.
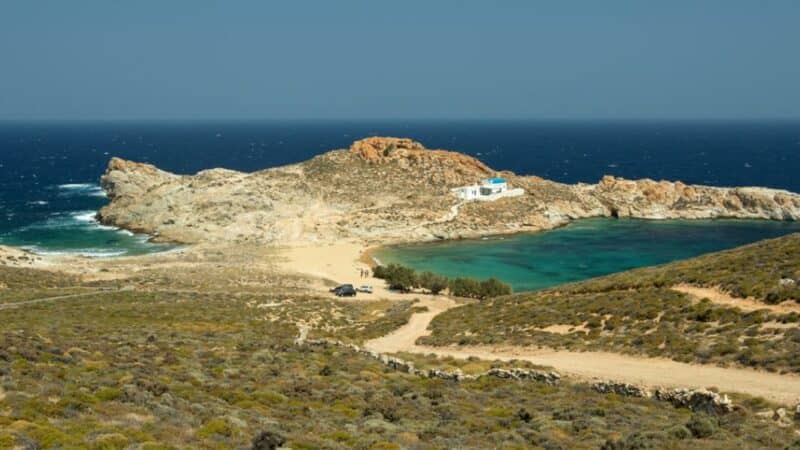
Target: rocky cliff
<point x="394" y="189"/>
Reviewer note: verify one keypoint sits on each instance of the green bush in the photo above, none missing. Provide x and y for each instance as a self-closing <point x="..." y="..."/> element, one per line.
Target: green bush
<point x="494" y="288"/>
<point x="435" y="283"/>
<point x="701" y="426"/>
<point x="465" y="287"/>
<point x="216" y="426"/>
<point x="397" y="276"/>
<point x="404" y="279"/>
<point x="679" y="432"/>
<point x="107" y="394"/>
<point x="380" y="272"/>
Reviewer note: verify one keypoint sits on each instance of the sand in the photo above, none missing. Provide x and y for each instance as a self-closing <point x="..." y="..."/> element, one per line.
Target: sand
<point x="336" y="264"/>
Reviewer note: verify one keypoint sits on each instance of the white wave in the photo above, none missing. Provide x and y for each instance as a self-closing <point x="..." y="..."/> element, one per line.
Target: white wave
<point x="76" y="186"/>
<point x="125" y="232"/>
<point x="87" y="252"/>
<point x="102" y="253"/>
<point x="81" y="190"/>
<point x="84" y="216"/>
<point x="143" y="238"/>
<point x="74" y="219"/>
<point x="38" y="203"/>
<point x="90" y="217"/>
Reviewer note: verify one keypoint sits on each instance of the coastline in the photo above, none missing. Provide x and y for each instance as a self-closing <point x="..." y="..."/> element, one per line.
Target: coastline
<point x="335" y="261"/>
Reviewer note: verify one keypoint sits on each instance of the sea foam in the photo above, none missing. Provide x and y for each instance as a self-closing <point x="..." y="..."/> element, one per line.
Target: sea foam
<point x="80" y="190"/>
<point x="86" y="252"/>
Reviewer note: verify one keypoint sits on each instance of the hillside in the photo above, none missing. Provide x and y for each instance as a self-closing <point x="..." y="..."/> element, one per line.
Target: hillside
<point x="392" y="189"/>
<point x="750" y="318"/>
<point x="165" y="366"/>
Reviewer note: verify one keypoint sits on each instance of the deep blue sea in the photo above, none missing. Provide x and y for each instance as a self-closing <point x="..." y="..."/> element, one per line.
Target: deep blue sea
<point x="49" y="171"/>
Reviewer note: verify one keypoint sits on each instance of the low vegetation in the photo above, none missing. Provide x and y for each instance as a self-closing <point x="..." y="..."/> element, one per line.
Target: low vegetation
<point x="405" y="279"/>
<point x="162" y="369"/>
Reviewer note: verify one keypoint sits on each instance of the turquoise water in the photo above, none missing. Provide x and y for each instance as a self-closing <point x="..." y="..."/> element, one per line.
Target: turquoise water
<point x="582" y="250"/>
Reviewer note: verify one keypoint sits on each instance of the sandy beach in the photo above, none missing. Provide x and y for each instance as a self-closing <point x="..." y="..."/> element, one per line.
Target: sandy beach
<point x="334" y="264"/>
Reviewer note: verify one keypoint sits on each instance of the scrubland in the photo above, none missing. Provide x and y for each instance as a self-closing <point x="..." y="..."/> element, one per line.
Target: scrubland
<point x="160" y="367"/>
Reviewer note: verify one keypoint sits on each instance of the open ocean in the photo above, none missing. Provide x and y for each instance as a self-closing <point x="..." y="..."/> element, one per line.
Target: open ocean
<point x="49" y="172"/>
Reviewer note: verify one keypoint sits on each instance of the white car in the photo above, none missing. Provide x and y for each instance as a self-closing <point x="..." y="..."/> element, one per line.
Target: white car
<point x="366" y="289"/>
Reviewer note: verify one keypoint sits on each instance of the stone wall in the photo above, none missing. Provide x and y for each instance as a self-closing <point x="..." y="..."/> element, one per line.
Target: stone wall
<point x="401" y="365"/>
<point x="694" y="399"/>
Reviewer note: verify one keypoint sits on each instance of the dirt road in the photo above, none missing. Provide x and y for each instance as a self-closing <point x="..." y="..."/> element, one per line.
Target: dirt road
<point x="51" y="299"/>
<point x="745" y="304"/>
<point x="652" y="372"/>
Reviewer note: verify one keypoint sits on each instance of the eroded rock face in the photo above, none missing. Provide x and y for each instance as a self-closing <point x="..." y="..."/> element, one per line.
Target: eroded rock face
<point x="665" y="200"/>
<point x="408" y="153"/>
<point x="130" y="179"/>
<point x="390" y="190"/>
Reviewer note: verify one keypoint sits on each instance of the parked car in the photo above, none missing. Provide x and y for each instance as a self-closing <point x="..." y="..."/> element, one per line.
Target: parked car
<point x="344" y="290"/>
<point x="365" y="289"/>
<point x="334" y="289"/>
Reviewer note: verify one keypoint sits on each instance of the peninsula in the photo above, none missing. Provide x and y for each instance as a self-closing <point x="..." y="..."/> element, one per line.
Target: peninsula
<point x="384" y="190"/>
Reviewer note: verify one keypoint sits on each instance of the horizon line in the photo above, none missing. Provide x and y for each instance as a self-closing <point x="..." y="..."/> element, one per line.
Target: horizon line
<point x="401" y="119"/>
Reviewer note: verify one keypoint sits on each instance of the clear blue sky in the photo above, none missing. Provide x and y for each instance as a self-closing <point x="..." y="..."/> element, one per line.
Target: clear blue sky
<point x="105" y="59"/>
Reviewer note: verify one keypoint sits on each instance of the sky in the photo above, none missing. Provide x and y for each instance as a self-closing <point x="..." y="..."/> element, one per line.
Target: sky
<point x="87" y="60"/>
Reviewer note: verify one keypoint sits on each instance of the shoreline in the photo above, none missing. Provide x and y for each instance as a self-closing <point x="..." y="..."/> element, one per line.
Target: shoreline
<point x="361" y="253"/>
<point x="480" y="237"/>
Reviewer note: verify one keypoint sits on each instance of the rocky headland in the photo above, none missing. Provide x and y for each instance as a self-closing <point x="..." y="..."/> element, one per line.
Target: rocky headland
<point x="383" y="190"/>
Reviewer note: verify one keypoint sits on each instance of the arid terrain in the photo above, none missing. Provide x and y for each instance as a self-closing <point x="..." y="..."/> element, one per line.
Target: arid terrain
<point x="394" y="190"/>
<point x="233" y="340"/>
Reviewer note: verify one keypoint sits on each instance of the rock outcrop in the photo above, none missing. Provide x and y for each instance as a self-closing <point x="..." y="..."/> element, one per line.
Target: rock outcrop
<point x="391" y="190"/>
<point x="665" y="200"/>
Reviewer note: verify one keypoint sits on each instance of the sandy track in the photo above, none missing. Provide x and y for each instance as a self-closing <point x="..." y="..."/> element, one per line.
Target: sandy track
<point x="405" y="337"/>
<point x="52" y="299"/>
<point x="652" y="372"/>
<point x="745" y="304"/>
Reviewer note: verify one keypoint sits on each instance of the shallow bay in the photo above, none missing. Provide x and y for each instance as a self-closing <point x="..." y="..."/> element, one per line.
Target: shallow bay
<point x="584" y="249"/>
